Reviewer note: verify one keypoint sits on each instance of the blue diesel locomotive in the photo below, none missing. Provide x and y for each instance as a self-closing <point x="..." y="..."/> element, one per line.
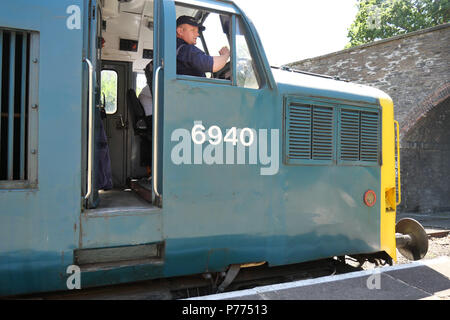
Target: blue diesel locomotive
<point x="249" y="165"/>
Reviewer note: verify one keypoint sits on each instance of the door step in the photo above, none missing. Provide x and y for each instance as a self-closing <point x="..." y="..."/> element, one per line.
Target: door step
<point x="108" y="258"/>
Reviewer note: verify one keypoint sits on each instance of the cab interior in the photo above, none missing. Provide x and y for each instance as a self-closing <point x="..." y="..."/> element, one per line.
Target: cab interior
<point x="125" y="34"/>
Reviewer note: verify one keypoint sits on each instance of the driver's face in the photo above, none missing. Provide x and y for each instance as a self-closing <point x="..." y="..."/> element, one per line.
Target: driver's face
<point x="188" y="33"/>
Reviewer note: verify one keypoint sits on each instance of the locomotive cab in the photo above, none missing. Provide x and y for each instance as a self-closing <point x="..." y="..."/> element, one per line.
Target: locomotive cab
<point x="126" y="47"/>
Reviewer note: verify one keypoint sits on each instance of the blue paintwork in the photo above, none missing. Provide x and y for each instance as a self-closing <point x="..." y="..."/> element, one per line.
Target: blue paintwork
<point x="213" y="215"/>
<point x="216" y="215"/>
<point x="39" y="227"/>
<point x="113" y="229"/>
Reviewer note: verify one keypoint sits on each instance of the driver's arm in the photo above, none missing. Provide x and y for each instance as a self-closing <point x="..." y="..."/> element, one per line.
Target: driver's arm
<point x="221" y="61"/>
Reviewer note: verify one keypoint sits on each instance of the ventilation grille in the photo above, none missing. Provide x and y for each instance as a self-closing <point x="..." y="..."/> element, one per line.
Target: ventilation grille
<point x="14" y="71"/>
<point x="323" y="135"/>
<point x="359" y="136"/>
<point x="310" y="132"/>
<point x="350" y="135"/>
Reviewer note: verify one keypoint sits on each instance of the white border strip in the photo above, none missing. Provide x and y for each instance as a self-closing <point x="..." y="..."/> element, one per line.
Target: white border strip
<point x="308" y="282"/>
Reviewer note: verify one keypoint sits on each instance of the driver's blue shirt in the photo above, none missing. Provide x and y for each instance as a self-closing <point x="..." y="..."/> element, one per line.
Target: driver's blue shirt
<point x="191" y="60"/>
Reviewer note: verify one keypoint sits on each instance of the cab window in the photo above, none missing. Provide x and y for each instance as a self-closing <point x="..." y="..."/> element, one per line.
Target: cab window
<point x="211" y="40"/>
<point x="109" y="90"/>
<point x="221" y="29"/>
<point x="214" y="35"/>
<point x="245" y="68"/>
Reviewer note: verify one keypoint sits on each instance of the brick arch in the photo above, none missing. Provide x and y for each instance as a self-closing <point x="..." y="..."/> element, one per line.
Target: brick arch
<point x="420" y="110"/>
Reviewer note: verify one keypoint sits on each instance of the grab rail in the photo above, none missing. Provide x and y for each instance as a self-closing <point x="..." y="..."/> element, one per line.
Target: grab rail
<point x="90" y="129"/>
<point x="155" y="132"/>
<point x="399" y="200"/>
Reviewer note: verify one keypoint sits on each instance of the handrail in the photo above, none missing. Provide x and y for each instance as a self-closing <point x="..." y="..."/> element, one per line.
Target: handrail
<point x="155" y="132"/>
<point x="398" y="164"/>
<point x="90" y="129"/>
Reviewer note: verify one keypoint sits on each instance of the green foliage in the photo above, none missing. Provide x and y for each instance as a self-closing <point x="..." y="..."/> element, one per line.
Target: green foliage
<point x="381" y="19"/>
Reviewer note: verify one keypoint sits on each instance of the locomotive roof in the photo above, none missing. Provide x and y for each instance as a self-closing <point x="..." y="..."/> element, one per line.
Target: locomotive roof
<point x="307" y="84"/>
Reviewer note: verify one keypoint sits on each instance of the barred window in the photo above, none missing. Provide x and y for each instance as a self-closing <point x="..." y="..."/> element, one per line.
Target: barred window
<point x="18" y="105"/>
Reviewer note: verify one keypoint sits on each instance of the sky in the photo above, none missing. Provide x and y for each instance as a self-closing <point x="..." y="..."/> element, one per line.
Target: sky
<point x="293" y="30"/>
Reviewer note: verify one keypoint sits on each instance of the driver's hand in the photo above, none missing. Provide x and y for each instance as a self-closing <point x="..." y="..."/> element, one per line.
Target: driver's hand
<point x="224" y="52"/>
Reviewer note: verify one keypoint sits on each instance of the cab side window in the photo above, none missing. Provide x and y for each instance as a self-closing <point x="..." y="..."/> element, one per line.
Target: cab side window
<point x="214" y="35"/>
<point x="109" y="90"/>
<point x="197" y="48"/>
<point x="246" y="75"/>
<point x="222" y="30"/>
<point x="217" y="36"/>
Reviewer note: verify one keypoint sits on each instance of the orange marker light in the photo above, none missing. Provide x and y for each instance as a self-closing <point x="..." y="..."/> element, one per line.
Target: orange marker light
<point x="370" y="198"/>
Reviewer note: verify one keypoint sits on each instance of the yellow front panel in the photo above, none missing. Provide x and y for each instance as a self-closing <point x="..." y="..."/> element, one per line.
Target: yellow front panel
<point x="387" y="194"/>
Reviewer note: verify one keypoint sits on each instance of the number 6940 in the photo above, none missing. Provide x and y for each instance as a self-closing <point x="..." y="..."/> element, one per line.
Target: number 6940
<point x="215" y="135"/>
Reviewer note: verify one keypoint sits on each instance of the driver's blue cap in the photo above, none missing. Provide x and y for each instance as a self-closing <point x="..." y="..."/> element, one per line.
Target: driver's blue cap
<point x="189" y="20"/>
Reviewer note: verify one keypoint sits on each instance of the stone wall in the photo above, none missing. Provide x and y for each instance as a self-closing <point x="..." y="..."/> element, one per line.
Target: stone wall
<point x="414" y="69"/>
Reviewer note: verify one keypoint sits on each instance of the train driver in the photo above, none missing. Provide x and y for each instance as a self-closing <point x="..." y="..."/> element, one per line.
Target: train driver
<point x="190" y="59"/>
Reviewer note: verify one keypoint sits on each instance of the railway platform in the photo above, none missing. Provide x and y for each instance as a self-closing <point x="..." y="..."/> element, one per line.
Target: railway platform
<point x="420" y="280"/>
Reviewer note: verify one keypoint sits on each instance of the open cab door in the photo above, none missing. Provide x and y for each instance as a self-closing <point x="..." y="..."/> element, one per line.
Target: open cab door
<point x="90" y="94"/>
<point x="161" y="22"/>
<point x="120" y="228"/>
